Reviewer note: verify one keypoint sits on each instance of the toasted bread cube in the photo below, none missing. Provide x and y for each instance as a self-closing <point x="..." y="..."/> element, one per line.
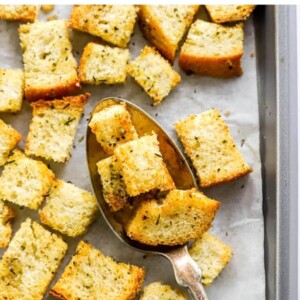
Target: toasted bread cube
<point x="23" y="13"/>
<point x="165" y="25"/>
<point x="183" y="215"/>
<point x="114" y="189"/>
<point x="159" y="291"/>
<point x="53" y="127"/>
<point x="103" y="64"/>
<point x="154" y="74"/>
<point x="208" y="143"/>
<point x="9" y="138"/>
<point x="112" y="127"/>
<point x="142" y="166"/>
<point x="11" y="90"/>
<point x="30" y="262"/>
<point x="91" y="275"/>
<point x="6" y="214"/>
<point x="25" y="181"/>
<point x="229" y="13"/>
<point x="112" y="23"/>
<point x="50" y="68"/>
<point x="211" y="255"/>
<point x="68" y="209"/>
<point x="213" y="50"/>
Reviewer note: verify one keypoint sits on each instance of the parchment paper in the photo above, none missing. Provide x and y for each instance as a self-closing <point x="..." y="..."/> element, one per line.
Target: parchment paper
<point x="239" y="222"/>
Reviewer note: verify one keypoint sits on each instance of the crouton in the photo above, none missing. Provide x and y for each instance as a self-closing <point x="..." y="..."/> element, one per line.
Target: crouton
<point x="11" y="90"/>
<point x="112" y="23"/>
<point x="23" y="13"/>
<point x="165" y="25"/>
<point x="103" y="64"/>
<point x="113" y="186"/>
<point x="91" y="275"/>
<point x="154" y="74"/>
<point x="142" y="166"/>
<point x="25" y="181"/>
<point x="9" y="138"/>
<point x="53" y="127"/>
<point x="229" y="13"/>
<point x="47" y="8"/>
<point x="30" y="262"/>
<point x="213" y="50"/>
<point x="6" y="214"/>
<point x="159" y="291"/>
<point x="50" y="68"/>
<point x="211" y="255"/>
<point x="68" y="209"/>
<point x="181" y="216"/>
<point x="112" y="127"/>
<point x="208" y="143"/>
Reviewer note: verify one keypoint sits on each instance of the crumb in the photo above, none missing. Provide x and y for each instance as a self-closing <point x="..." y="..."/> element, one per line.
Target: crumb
<point x="252" y="54"/>
<point x="227" y="113"/>
<point x="47" y="8"/>
<point x="242" y="142"/>
<point x="242" y="186"/>
<point x="52" y="17"/>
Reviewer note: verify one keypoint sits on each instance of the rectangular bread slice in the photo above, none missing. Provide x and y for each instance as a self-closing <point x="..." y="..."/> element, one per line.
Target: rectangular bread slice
<point x="23" y="13"/>
<point x="103" y="64"/>
<point x="142" y="166"/>
<point x="154" y="74"/>
<point x="6" y="214"/>
<point x="68" y="209"/>
<point x="114" y="189"/>
<point x="11" y="90"/>
<point x="53" y="127"/>
<point x="25" y="181"/>
<point x="165" y="25"/>
<point x="229" y="13"/>
<point x="50" y="68"/>
<point x="211" y="255"/>
<point x="30" y="262"/>
<point x="112" y="23"/>
<point x="177" y="218"/>
<point x="9" y="138"/>
<point x="211" y="148"/>
<point x="213" y="50"/>
<point x="91" y="275"/>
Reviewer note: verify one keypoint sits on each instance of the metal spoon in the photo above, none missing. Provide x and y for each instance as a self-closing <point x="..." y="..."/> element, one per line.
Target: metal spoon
<point x="187" y="273"/>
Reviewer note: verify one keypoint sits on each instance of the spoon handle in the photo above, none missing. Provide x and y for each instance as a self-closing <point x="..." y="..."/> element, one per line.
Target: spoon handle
<point x="187" y="272"/>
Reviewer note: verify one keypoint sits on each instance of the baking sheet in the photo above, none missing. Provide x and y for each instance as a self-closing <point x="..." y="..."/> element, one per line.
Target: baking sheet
<point x="239" y="222"/>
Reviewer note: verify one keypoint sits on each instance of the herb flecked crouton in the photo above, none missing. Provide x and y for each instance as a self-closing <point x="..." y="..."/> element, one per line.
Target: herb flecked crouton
<point x="211" y="255"/>
<point x="213" y="50"/>
<point x="23" y="13"/>
<point x="30" y="262"/>
<point x="53" y="127"/>
<point x="6" y="214"/>
<point x="208" y="143"/>
<point x="91" y="275"/>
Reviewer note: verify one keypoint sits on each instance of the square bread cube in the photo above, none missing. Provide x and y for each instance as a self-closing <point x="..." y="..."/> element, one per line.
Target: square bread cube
<point x="9" y="138"/>
<point x="112" y="127"/>
<point x="50" y="68"/>
<point x="114" y="189"/>
<point x="211" y="255"/>
<point x="211" y="148"/>
<point x="11" y="90"/>
<point x="142" y="166"/>
<point x="213" y="50"/>
<point x="112" y="23"/>
<point x="30" y="262"/>
<point x="53" y="127"/>
<point x="23" y="13"/>
<point x="229" y="13"/>
<point x="154" y="74"/>
<point x="25" y="181"/>
<point x="6" y="214"/>
<point x="68" y="209"/>
<point x="165" y="25"/>
<point x="181" y="216"/>
<point x="91" y="275"/>
<point x="103" y="64"/>
<point x="159" y="291"/>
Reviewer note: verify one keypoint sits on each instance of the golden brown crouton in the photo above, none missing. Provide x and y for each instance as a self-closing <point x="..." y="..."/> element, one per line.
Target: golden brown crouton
<point x="23" y="13"/>
<point x="6" y="214"/>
